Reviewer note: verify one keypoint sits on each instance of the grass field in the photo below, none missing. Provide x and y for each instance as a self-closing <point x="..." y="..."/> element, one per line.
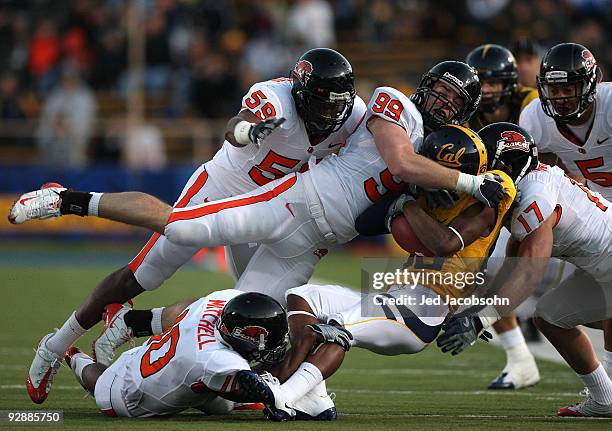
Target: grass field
<point x="430" y="391"/>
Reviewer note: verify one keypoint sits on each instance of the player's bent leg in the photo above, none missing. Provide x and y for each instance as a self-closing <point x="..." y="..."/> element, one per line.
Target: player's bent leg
<point x="557" y="317"/>
<point x="84" y="368"/>
<point x="521" y="370"/>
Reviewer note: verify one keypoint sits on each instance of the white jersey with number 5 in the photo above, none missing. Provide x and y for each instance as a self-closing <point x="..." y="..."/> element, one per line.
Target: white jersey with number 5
<point x="591" y="158"/>
<point x="359" y="176"/>
<point x="583" y="226"/>
<point x="182" y="367"/>
<point x="288" y="149"/>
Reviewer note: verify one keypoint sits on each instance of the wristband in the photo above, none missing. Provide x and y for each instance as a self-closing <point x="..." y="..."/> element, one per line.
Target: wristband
<point x="488" y="316"/>
<point x="241" y="132"/>
<point x="466" y="183"/>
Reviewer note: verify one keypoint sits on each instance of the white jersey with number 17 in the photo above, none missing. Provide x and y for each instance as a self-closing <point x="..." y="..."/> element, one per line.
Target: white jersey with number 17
<point x="582" y="233"/>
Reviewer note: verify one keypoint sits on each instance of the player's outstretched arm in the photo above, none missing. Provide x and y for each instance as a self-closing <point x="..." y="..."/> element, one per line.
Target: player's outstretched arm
<point x="397" y="151"/>
<point x="247" y="128"/>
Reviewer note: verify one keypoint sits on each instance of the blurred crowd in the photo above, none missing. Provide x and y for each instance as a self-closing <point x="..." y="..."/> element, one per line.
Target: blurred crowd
<point x="58" y="61"/>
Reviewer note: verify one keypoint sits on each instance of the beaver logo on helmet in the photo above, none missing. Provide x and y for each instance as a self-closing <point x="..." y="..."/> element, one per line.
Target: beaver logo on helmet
<point x="589" y="60"/>
<point x="302" y="71"/>
<point x="254" y="334"/>
<point x="511" y="140"/>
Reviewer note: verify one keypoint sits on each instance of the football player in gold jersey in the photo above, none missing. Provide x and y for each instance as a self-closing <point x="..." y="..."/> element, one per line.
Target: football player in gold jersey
<point x="503" y="99"/>
<point x="404" y="319"/>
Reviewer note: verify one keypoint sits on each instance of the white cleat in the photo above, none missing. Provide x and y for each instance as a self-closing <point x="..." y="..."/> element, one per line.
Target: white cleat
<point x="37" y="205"/>
<point x="587" y="408"/>
<point x="114" y="334"/>
<point x="42" y="371"/>
<point x="315" y="407"/>
<point x="517" y="375"/>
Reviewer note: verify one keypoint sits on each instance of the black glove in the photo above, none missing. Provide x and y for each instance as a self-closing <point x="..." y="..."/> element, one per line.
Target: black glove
<point x="490" y="190"/>
<point x="259" y="131"/>
<point x="461" y="332"/>
<point x="437" y="198"/>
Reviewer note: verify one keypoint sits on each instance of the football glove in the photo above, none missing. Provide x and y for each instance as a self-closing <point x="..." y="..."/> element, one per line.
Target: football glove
<point x="397" y="208"/>
<point x="332" y="334"/>
<point x="260" y="131"/>
<point x="436" y="197"/>
<point x="490" y="190"/>
<point x="461" y="332"/>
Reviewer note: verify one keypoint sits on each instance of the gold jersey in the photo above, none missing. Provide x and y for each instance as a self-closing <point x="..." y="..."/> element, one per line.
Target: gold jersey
<point x="449" y="276"/>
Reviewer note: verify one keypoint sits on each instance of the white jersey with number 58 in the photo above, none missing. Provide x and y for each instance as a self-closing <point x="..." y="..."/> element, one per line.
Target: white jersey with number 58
<point x="287" y="150"/>
<point x="591" y="158"/>
<point x="583" y="226"/>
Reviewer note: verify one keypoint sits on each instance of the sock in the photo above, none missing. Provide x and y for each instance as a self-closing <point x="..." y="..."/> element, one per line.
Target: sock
<point x="66" y="335"/>
<point x="301" y="382"/>
<point x="140" y="322"/>
<point x="514" y="344"/>
<point x="156" y="320"/>
<point x="75" y="203"/>
<point x="78" y="363"/>
<point x="608" y="362"/>
<point x="599" y="385"/>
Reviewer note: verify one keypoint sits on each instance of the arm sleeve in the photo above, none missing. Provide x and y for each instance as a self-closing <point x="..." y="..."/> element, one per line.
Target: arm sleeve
<point x="371" y="222"/>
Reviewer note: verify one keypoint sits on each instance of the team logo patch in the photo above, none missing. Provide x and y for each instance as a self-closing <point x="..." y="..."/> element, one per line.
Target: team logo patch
<point x="589" y="60"/>
<point x="254" y="334"/>
<point x="449" y="158"/>
<point x="512" y="140"/>
<point x="302" y="71"/>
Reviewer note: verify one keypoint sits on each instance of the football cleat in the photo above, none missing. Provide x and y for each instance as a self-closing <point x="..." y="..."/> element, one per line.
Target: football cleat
<point x="517" y="375"/>
<point x="114" y="334"/>
<point x="249" y="406"/>
<point x="37" y="205"/>
<point x="315" y="407"/>
<point x="42" y="371"/>
<point x="266" y="388"/>
<point x="70" y="353"/>
<point x="587" y="408"/>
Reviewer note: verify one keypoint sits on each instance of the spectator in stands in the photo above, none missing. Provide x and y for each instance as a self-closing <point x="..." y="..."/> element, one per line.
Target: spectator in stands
<point x="528" y="56"/>
<point x="67" y="121"/>
<point x="44" y="54"/>
<point x="310" y="24"/>
<point x="143" y="148"/>
<point x="11" y="108"/>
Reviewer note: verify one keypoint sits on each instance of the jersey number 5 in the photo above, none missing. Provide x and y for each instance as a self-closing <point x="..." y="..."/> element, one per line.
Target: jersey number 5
<point x="165" y="342"/>
<point x="603" y="179"/>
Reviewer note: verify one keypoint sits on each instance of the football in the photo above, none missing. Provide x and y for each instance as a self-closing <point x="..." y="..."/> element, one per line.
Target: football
<point x="406" y="238"/>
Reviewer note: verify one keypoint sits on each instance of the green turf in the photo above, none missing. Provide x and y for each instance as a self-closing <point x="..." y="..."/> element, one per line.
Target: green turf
<point x="428" y="391"/>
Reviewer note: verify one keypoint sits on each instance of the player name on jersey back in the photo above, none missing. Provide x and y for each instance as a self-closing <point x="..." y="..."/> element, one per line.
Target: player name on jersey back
<point x="359" y="176"/>
<point x="286" y="150"/>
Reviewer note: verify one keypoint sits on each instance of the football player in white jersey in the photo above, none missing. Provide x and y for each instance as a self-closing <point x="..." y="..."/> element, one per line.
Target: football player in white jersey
<point x="559" y="217"/>
<point x="572" y="125"/>
<point x="198" y="361"/>
<point x="309" y="118"/>
<point x="300" y="216"/>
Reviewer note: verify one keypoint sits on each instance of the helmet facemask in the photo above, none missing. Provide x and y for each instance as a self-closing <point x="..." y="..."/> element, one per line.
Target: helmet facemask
<point x="255" y="347"/>
<point x="326" y="112"/>
<point x="566" y="99"/>
<point x="439" y="106"/>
